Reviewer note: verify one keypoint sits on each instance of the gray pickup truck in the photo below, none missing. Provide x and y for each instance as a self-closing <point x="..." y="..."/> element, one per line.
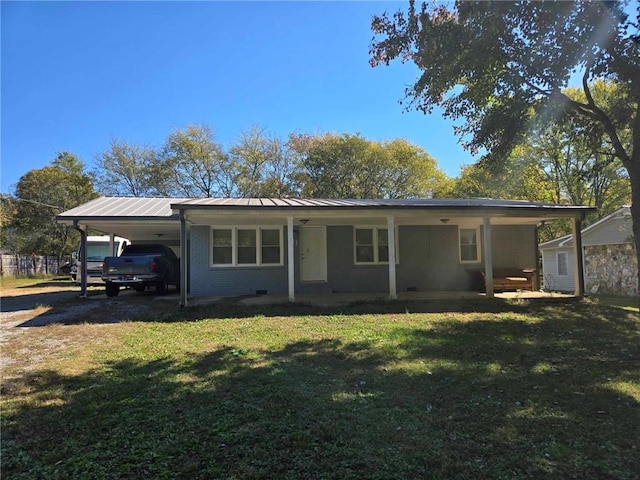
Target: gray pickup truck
<point x="141" y="266"/>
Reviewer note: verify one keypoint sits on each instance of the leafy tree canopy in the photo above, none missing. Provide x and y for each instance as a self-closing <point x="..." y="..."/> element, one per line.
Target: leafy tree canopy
<point x="499" y="65"/>
<point x="350" y="166"/>
<point x="40" y="195"/>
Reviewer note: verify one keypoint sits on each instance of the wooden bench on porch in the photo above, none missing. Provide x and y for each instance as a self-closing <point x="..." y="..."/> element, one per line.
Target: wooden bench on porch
<point x="512" y="278"/>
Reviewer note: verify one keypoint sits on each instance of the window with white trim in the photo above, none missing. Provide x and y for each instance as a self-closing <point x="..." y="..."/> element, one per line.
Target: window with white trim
<point x="469" y="242"/>
<point x="563" y="268"/>
<point x="371" y="245"/>
<point x="246" y="246"/>
<point x="222" y="246"/>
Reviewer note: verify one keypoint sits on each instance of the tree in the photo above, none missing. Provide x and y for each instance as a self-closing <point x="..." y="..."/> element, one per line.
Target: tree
<point x="578" y="158"/>
<point x="43" y="193"/>
<point x="263" y="164"/>
<point x="501" y="67"/>
<point x="350" y="166"/>
<point x="195" y="164"/>
<point x="521" y="178"/>
<point x="128" y="169"/>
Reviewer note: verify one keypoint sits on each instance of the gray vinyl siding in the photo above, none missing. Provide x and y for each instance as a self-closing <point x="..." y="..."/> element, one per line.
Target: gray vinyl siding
<point x="613" y="231"/>
<point x="343" y="275"/>
<point x="513" y="246"/>
<point x="551" y="280"/>
<point x="428" y="261"/>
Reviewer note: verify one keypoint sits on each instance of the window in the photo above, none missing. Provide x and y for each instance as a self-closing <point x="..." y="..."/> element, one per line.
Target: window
<point x="469" y="245"/>
<point x="240" y="246"/>
<point x="271" y="247"/>
<point x="222" y="251"/>
<point x="247" y="242"/>
<point x="364" y="245"/>
<point x="372" y="245"/>
<point x="563" y="269"/>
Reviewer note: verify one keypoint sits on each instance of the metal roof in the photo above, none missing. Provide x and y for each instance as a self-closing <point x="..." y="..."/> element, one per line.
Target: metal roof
<point x="135" y="218"/>
<point x="313" y="203"/>
<point x="146" y="219"/>
<point x="123" y="207"/>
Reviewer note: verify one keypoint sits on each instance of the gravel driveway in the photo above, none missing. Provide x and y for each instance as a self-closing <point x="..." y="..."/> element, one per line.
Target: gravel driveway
<point x="22" y="310"/>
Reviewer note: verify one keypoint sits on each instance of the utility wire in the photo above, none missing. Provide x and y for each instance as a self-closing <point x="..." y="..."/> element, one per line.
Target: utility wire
<point x="9" y="197"/>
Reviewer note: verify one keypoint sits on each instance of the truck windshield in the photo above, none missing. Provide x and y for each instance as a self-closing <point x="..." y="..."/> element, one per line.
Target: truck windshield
<point x="96" y="251"/>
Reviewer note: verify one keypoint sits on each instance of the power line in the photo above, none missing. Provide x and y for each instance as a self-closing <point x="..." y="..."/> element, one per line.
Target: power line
<point x="12" y="198"/>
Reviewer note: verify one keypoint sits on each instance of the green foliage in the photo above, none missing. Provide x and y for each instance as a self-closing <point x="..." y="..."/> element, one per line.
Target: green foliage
<point x="577" y="157"/>
<point x="263" y="165"/>
<point x="40" y="195"/>
<point x="258" y="164"/>
<point x="193" y="163"/>
<point x="521" y="178"/>
<point x="350" y="166"/>
<point x="127" y="169"/>
<point x="500" y="64"/>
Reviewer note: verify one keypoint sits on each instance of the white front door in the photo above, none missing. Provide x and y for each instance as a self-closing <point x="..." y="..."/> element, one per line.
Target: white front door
<point x="313" y="254"/>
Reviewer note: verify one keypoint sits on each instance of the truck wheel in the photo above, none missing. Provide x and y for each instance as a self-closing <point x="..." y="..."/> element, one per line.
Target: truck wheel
<point x="112" y="289"/>
<point x="140" y="288"/>
<point x="161" y="287"/>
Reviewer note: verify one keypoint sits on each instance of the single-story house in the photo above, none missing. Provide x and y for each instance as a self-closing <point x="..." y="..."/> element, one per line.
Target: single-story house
<point x="290" y="246"/>
<point x="610" y="262"/>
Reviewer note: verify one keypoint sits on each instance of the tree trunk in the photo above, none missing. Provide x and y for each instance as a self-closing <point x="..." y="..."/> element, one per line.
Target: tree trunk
<point x="634" y="177"/>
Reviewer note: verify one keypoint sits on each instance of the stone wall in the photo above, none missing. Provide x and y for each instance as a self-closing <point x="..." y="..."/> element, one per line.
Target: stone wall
<point x="611" y="269"/>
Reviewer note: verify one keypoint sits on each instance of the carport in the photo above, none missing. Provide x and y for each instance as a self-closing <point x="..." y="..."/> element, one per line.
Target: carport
<point x="141" y="220"/>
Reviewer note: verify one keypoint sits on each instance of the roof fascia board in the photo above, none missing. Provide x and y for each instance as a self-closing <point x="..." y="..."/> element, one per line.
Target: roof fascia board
<point x="321" y="211"/>
<point x="94" y="220"/>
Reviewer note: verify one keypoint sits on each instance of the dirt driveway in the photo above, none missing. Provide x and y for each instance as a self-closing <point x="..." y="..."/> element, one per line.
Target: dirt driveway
<point x="42" y="320"/>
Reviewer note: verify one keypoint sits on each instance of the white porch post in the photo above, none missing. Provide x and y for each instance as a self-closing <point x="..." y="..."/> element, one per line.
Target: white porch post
<point x="578" y="271"/>
<point x="391" y="229"/>
<point x="290" y="257"/>
<point x="488" y="258"/>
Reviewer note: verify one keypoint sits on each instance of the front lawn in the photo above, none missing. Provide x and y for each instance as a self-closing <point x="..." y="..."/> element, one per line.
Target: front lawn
<point x="476" y="390"/>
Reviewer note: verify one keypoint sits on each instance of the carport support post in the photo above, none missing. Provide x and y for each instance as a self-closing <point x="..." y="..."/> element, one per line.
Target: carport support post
<point x="183" y="260"/>
<point x="488" y="258"/>
<point x="112" y="241"/>
<point x="83" y="259"/>
<point x="290" y="257"/>
<point x="391" y="235"/>
<point x="578" y="271"/>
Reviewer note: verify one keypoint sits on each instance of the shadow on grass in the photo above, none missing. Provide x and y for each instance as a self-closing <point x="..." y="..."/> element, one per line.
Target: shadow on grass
<point x="34" y="300"/>
<point x="488" y="398"/>
<point x="62" y="281"/>
<point x="231" y="308"/>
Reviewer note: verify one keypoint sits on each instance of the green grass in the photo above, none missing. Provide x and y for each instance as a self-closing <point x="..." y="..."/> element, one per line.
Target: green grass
<point x="627" y="303"/>
<point x="37" y="281"/>
<point x="475" y="390"/>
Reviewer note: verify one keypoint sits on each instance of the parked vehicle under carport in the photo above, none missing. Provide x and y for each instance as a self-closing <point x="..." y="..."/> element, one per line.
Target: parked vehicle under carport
<point x="141" y="266"/>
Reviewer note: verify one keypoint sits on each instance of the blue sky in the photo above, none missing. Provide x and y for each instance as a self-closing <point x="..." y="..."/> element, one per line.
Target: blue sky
<point x="77" y="74"/>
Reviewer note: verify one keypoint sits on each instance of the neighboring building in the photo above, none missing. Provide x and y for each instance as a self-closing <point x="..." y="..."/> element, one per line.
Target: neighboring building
<point x="297" y="246"/>
<point x="610" y="261"/>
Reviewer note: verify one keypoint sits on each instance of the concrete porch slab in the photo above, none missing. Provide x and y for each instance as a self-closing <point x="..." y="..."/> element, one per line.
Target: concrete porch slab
<point x="334" y="299"/>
